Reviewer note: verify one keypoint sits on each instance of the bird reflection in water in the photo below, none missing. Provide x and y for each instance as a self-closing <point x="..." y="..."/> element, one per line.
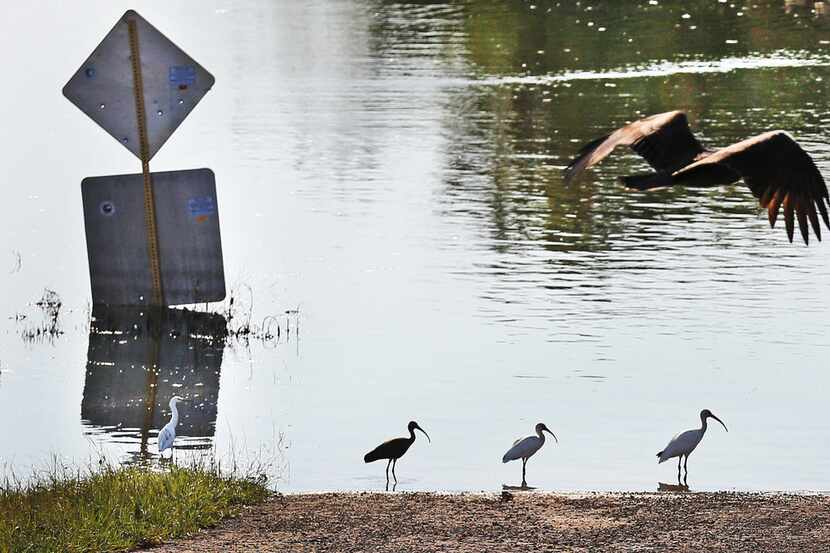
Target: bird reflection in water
<point x="664" y="487"/>
<point x="138" y="361"/>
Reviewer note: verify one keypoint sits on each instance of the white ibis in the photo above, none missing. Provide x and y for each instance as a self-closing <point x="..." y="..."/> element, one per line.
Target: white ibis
<point x="168" y="433"/>
<point x="394" y="449"/>
<point x="524" y="448"/>
<point x="684" y="443"/>
<point x="773" y="165"/>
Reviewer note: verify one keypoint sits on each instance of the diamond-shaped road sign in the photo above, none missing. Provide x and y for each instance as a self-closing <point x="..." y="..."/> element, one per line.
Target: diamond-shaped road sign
<point x="190" y="249"/>
<point x="103" y="86"/>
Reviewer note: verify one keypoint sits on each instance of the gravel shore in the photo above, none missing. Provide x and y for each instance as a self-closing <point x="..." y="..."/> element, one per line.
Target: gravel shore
<point x="427" y="522"/>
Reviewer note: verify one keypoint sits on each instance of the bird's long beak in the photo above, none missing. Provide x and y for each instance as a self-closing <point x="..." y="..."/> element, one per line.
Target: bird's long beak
<point x="721" y="422"/>
<point x="425" y="433"/>
<point x="551" y="433"/>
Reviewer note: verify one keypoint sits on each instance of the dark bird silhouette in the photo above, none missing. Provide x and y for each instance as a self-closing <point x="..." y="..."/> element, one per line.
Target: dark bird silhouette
<point x="774" y="167"/>
<point x="394" y="449"/>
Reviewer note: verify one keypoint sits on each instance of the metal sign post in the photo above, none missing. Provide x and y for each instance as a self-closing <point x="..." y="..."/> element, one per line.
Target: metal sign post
<point x="149" y="197"/>
<point x="139" y="87"/>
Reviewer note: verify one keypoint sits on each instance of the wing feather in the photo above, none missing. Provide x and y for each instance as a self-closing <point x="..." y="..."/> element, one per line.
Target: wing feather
<point x="663" y="140"/>
<point x="166" y="438"/>
<point x="779" y="173"/>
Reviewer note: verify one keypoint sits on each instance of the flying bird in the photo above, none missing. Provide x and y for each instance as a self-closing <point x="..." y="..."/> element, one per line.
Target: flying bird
<point x="394" y="449"/>
<point x="168" y="433"/>
<point x="525" y="448"/>
<point x="684" y="443"/>
<point x="774" y="167"/>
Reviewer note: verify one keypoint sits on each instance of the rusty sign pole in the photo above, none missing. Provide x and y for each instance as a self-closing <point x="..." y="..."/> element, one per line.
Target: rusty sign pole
<point x="157" y="298"/>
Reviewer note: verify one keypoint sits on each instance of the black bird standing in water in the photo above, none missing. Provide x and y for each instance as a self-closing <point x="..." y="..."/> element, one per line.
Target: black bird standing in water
<point x="774" y="167"/>
<point x="394" y="450"/>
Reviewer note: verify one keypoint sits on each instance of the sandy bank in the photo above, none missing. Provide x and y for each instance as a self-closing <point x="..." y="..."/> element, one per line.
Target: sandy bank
<point x="421" y="522"/>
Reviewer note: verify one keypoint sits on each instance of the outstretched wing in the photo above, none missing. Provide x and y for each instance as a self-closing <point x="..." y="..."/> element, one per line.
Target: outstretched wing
<point x="779" y="173"/>
<point x="663" y="140"/>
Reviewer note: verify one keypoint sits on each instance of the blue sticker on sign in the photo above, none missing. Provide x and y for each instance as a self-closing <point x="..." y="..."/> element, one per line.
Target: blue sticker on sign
<point x="182" y="76"/>
<point x="200" y="208"/>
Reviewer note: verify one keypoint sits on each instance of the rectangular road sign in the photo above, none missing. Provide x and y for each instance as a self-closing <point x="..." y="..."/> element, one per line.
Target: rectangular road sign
<point x="103" y="86"/>
<point x="190" y="248"/>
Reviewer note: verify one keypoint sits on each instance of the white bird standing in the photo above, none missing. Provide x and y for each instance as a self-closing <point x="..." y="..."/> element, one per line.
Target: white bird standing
<point x="524" y="448"/>
<point x="168" y="433"/>
<point x="686" y="442"/>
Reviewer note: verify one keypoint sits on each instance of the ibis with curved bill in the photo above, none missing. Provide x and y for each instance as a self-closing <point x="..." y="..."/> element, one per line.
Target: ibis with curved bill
<point x="773" y="166"/>
<point x="525" y="448"/>
<point x="684" y="443"/>
<point x="394" y="449"/>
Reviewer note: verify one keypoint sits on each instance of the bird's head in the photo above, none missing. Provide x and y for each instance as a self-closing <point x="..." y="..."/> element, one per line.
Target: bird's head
<point x="176" y="399"/>
<point x="414" y="426"/>
<point x="706" y="413"/>
<point x="542" y="428"/>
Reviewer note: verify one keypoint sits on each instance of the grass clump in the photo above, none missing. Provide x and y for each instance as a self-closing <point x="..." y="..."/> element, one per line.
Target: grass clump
<point x="119" y="508"/>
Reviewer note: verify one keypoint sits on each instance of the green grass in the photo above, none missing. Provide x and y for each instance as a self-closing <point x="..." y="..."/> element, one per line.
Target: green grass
<point x="117" y="509"/>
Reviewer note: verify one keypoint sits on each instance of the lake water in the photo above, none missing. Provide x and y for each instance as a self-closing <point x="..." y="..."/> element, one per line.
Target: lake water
<point x="389" y="180"/>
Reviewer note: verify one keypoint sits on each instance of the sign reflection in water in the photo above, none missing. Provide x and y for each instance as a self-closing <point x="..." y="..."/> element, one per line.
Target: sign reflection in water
<point x="137" y="361"/>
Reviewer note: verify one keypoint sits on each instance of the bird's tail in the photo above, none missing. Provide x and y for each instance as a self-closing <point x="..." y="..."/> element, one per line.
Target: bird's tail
<point x="660" y="456"/>
<point x="647" y="181"/>
<point x="505" y="459"/>
<point x="370" y="457"/>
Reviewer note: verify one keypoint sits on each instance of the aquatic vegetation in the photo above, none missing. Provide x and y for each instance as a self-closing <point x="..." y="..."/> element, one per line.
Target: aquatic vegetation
<point x="50" y="305"/>
<point x="242" y="326"/>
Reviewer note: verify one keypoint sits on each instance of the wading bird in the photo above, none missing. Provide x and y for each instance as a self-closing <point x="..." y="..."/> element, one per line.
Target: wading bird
<point x="774" y="167"/>
<point x="524" y="448"/>
<point x="684" y="443"/>
<point x="394" y="449"/>
<point x="168" y="433"/>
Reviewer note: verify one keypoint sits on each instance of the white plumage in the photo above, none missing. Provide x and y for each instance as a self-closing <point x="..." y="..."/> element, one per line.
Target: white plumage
<point x="682" y="444"/>
<point x="524" y="448"/>
<point x="685" y="443"/>
<point x="168" y="433"/>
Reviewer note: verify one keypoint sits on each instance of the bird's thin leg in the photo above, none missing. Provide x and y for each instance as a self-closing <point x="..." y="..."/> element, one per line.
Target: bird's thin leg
<point x="524" y="480"/>
<point x="680" y="458"/>
<point x="387" y="473"/>
<point x="393" y="471"/>
<point x="686" y="468"/>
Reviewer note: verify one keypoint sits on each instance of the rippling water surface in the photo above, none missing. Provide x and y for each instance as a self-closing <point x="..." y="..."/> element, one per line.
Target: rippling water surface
<point x="391" y="200"/>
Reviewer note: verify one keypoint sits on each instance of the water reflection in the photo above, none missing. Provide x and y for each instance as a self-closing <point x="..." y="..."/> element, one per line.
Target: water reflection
<point x="664" y="487"/>
<point x="137" y="361"/>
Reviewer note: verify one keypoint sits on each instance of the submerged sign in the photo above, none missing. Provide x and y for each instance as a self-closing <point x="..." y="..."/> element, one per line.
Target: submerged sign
<point x="173" y="83"/>
<point x="190" y="248"/>
<point x="152" y="238"/>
